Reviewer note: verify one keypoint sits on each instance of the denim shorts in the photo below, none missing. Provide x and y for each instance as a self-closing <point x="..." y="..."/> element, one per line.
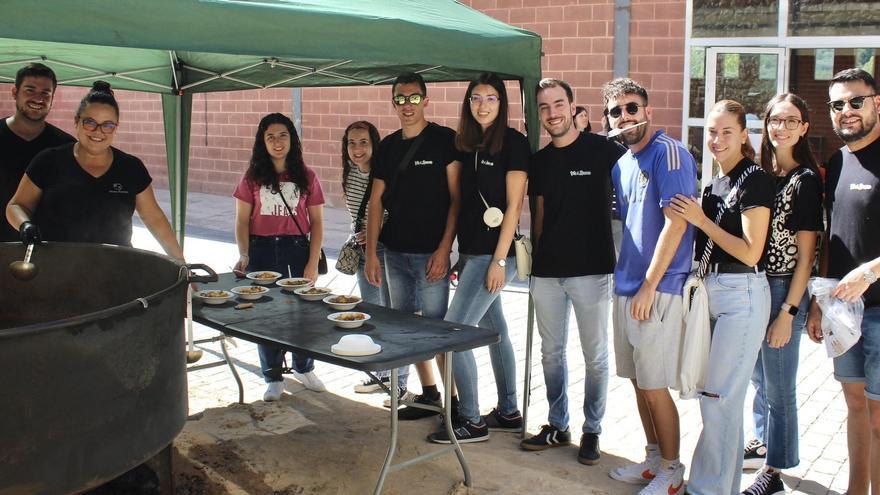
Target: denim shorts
<point x="861" y="363"/>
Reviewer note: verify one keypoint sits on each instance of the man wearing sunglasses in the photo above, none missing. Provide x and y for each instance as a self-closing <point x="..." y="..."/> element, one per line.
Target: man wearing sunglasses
<point x="26" y="133"/>
<point x="572" y="264"/>
<point x="851" y="253"/>
<point x="416" y="181"/>
<point x="649" y="277"/>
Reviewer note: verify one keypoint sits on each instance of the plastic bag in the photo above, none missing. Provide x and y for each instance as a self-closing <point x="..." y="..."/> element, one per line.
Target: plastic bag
<point x="841" y="320"/>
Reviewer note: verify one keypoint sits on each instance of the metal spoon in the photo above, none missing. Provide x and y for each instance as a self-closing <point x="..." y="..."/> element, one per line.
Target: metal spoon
<point x="616" y="132"/>
<point x="24" y="270"/>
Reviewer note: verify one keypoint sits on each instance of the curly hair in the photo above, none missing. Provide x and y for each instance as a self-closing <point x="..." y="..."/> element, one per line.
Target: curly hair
<point x="622" y="86"/>
<point x="262" y="171"/>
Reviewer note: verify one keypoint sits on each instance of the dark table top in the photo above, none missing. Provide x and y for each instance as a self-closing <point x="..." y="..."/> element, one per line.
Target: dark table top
<point x="285" y="320"/>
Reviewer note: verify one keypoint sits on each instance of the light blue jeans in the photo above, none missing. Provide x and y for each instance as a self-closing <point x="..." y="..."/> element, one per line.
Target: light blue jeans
<point x="379" y="295"/>
<point x="472" y="305"/>
<point x="775" y="380"/>
<point x="739" y="308"/>
<point x="590" y="296"/>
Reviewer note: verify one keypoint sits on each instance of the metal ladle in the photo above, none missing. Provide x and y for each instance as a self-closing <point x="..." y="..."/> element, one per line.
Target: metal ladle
<point x="24" y="270"/>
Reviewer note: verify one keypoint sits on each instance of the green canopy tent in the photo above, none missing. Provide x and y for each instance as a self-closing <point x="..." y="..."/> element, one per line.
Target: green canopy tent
<point x="180" y="47"/>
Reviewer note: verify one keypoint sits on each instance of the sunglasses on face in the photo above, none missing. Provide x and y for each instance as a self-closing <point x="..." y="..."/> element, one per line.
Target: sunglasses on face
<point x="490" y="99"/>
<point x="856" y="103"/>
<point x="413" y="99"/>
<point x="790" y="123"/>
<point x="107" y="127"/>
<point x="632" y="108"/>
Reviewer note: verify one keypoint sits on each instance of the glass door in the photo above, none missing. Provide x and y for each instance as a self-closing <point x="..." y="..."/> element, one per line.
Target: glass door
<point x="751" y="76"/>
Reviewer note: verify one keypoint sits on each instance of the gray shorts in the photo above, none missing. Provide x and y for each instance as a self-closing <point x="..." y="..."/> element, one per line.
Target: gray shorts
<point x="649" y="351"/>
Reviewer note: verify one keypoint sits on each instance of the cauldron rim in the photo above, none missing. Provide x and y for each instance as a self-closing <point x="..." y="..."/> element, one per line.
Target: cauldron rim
<point x="139" y="303"/>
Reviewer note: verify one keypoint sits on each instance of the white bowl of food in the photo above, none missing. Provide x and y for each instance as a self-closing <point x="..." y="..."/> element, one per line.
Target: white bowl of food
<point x="214" y="296"/>
<point x="343" y="303"/>
<point x="313" y="293"/>
<point x="264" y="277"/>
<point x="249" y="292"/>
<point x="291" y="284"/>
<point x="348" y="319"/>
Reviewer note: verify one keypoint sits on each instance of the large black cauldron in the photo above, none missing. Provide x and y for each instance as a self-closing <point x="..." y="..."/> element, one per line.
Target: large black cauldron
<point x="92" y="365"/>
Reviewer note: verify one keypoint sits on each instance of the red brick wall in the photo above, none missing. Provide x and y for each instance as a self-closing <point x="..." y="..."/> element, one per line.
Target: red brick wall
<point x="577" y="45"/>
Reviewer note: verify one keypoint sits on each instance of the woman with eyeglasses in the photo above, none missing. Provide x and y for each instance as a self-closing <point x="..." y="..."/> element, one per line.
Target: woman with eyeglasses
<point x="731" y="244"/>
<point x="88" y="191"/>
<point x="797" y="218"/>
<point x="494" y="160"/>
<point x="279" y="223"/>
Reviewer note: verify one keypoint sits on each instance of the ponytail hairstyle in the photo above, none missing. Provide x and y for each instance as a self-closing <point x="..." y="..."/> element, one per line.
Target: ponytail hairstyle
<point x="262" y="171"/>
<point x="346" y="160"/>
<point x="470" y="136"/>
<point x="736" y="109"/>
<point x="801" y="151"/>
<point x="100" y="93"/>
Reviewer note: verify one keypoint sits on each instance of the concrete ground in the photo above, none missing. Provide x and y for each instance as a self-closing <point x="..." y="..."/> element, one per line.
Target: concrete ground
<point x="822" y="412"/>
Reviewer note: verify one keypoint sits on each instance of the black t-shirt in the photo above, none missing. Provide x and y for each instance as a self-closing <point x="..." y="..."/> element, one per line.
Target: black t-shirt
<point x="15" y="155"/>
<point x="797" y="206"/>
<point x="417" y="199"/>
<point x="474" y="236"/>
<point x="76" y="207"/>
<point x="575" y="182"/>
<point x="852" y="196"/>
<point x="758" y="189"/>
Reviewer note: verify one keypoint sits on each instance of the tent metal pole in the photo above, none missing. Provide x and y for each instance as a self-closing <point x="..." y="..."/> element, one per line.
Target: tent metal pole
<point x="530" y="312"/>
<point x="178" y="173"/>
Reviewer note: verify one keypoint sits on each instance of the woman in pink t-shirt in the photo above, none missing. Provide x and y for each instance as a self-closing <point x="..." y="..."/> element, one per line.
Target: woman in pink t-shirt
<point x="279" y="211"/>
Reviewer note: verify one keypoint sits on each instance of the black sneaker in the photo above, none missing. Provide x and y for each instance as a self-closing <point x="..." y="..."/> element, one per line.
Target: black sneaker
<point x="465" y="432"/>
<point x="766" y="483"/>
<point x="409" y="413"/>
<point x="754" y="455"/>
<point x="501" y="422"/>
<point x="549" y="436"/>
<point x="589" y="452"/>
<point x="370" y="385"/>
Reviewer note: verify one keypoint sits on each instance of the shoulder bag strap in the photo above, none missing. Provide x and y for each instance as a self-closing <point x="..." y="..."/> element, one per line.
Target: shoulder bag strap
<point x="477" y="181"/>
<point x="359" y="219"/>
<point x="417" y="142"/>
<point x="289" y="211"/>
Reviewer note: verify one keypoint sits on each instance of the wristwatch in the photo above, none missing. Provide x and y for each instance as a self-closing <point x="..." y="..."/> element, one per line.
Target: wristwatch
<point x="503" y="262"/>
<point x="788" y="308"/>
<point x="869" y="276"/>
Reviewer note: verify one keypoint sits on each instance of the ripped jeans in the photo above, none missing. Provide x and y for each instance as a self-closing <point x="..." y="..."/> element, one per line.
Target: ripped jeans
<point x="739" y="306"/>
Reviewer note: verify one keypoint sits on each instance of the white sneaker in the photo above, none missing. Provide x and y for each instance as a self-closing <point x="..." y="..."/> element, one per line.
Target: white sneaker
<point x="406" y="396"/>
<point x="669" y="481"/>
<point x="310" y="380"/>
<point x="273" y="391"/>
<point x="638" y="474"/>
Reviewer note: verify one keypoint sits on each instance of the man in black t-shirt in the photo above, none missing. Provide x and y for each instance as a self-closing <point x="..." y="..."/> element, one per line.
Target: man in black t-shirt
<point x="417" y="181"/>
<point x="573" y="263"/>
<point x="26" y="133"/>
<point x="852" y="254"/>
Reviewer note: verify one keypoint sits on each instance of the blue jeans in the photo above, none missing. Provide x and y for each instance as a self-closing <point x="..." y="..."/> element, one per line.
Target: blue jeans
<point x="739" y="307"/>
<point x="775" y="380"/>
<point x="379" y="295"/>
<point x="408" y="289"/>
<point x="590" y="296"/>
<point x="472" y="305"/>
<point x="861" y="363"/>
<point x="276" y="254"/>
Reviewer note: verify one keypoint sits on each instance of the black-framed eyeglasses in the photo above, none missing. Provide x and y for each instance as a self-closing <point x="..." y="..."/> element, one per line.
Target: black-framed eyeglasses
<point x="413" y="99"/>
<point x="490" y="99"/>
<point x="856" y="103"/>
<point x="631" y="108"/>
<point x="790" y="123"/>
<point x="107" y="127"/>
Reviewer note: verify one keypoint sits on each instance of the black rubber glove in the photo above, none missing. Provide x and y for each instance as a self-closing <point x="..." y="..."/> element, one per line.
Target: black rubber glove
<point x="30" y="233"/>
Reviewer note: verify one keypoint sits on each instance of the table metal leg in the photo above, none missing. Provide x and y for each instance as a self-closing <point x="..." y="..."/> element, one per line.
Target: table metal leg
<point x="447" y="420"/>
<point x="527" y="381"/>
<point x="392" y="447"/>
<point x="232" y="369"/>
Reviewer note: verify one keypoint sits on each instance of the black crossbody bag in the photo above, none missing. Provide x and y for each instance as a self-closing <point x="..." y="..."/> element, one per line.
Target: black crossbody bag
<point x="322" y="261"/>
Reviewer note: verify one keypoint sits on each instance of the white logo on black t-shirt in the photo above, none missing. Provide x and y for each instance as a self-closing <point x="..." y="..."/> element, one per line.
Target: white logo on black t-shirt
<point x="418" y="163"/>
<point x="860" y="187"/>
<point x="117" y="188"/>
<point x="487" y="163"/>
<point x="579" y="173"/>
<point x="271" y="204"/>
